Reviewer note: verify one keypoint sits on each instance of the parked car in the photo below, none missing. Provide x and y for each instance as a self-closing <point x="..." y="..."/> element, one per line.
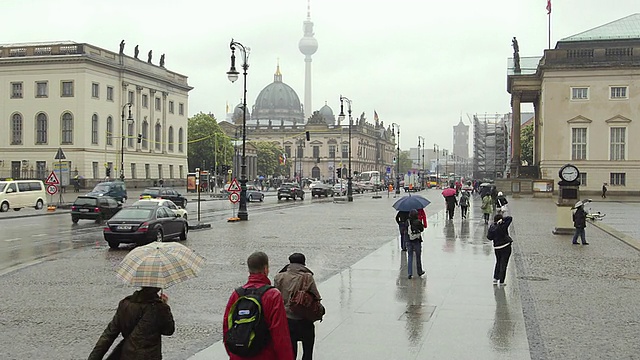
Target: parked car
<point x="366" y="186"/>
<point x="114" y="189"/>
<point x="152" y="203"/>
<point x="97" y="208"/>
<point x="340" y="189"/>
<point x="321" y="189"/>
<point x="253" y="193"/>
<point x="290" y="191"/>
<point x="143" y="225"/>
<point x="16" y="194"/>
<point x="164" y="193"/>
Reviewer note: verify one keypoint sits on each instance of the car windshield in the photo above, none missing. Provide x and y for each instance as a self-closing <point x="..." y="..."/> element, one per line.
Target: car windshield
<point x="133" y="214"/>
<point x="151" y="191"/>
<point x="2" y="186"/>
<point x="101" y="188"/>
<point x="85" y="201"/>
<point x="146" y="203"/>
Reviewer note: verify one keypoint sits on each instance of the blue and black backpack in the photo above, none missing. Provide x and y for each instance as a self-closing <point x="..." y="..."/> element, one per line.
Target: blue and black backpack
<point x="247" y="332"/>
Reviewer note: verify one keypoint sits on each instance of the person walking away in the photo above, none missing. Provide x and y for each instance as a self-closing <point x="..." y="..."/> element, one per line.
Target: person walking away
<point x="451" y="202"/>
<point x="276" y="345"/>
<point x="401" y="219"/>
<point x="486" y="207"/>
<point x="142" y="319"/>
<point x="499" y="233"/>
<point x="291" y="279"/>
<point x="501" y="203"/>
<point x="414" y="245"/>
<point x="604" y="190"/>
<point x="579" y="222"/>
<point x="464" y="203"/>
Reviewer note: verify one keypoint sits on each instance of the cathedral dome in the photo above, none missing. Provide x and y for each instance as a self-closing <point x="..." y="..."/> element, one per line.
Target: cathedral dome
<point x="237" y="114"/>
<point x="278" y="101"/>
<point x="327" y="114"/>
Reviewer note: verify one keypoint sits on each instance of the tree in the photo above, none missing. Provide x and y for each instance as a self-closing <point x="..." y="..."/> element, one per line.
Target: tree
<point x="405" y="162"/>
<point x="269" y="155"/>
<point x="526" y="144"/>
<point x="205" y="137"/>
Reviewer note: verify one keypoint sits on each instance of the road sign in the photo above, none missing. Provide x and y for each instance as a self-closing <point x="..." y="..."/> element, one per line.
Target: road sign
<point x="234" y="197"/>
<point x="60" y="155"/>
<point x="388" y="169"/>
<point x="234" y="187"/>
<point x="52" y="179"/>
<point x="52" y="189"/>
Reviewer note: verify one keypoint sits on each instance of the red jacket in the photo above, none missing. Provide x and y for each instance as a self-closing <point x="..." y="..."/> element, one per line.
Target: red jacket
<point x="422" y="216"/>
<point x="280" y="346"/>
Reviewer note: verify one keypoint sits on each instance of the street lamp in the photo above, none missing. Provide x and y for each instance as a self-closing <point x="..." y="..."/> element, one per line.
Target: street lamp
<point x="436" y="149"/>
<point x="341" y="117"/>
<point x="232" y="74"/>
<point x="130" y="121"/>
<point x="396" y="126"/>
<point x="422" y="167"/>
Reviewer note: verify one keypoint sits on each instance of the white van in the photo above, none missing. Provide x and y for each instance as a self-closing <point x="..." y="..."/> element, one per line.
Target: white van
<point x="16" y="194"/>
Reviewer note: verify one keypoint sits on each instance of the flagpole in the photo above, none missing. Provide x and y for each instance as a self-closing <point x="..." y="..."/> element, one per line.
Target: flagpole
<point x="549" y="30"/>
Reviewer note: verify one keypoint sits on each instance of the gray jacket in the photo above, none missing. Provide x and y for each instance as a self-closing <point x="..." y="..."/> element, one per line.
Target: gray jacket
<point x="288" y="281"/>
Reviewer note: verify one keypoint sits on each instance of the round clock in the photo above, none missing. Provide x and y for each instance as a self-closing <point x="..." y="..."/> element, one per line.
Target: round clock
<point x="569" y="173"/>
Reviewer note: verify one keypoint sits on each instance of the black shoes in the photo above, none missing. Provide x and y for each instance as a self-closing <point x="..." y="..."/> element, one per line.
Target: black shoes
<point x="421" y="273"/>
<point x="410" y="277"/>
<point x="585" y="243"/>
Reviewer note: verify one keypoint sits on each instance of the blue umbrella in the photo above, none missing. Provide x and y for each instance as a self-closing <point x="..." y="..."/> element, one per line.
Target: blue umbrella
<point x="408" y="203"/>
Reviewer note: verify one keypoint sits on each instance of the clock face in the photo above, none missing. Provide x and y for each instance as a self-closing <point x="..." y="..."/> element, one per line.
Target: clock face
<point x="569" y="173"/>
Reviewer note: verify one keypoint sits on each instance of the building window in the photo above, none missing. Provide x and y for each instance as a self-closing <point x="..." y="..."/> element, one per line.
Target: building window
<point x="332" y="151"/>
<point x="618" y="179"/>
<point x="583" y="179"/>
<point x="170" y="138"/>
<point x="131" y="97"/>
<point x="345" y="151"/>
<point x="110" y="167"/>
<point x="16" y="129"/>
<point x="158" y="137"/>
<point x="316" y="152"/>
<point x="67" y="128"/>
<point x="42" y="89"/>
<point x="617" y="143"/>
<point x="170" y="171"/>
<point x="181" y="169"/>
<point x="619" y="92"/>
<point x="145" y="134"/>
<point x="578" y="143"/>
<point x="171" y="107"/>
<point x="109" y="131"/>
<point x="147" y="171"/>
<point x="109" y="93"/>
<point x="180" y="141"/>
<point x="133" y="171"/>
<point x="300" y="152"/>
<point x="94" y="129"/>
<point x="41" y="128"/>
<point x="287" y="151"/>
<point x="579" y="93"/>
<point x="41" y="170"/>
<point x="145" y="101"/>
<point x="160" y="171"/>
<point x="16" y="90"/>
<point x="95" y="91"/>
<point x="94" y="170"/>
<point x="67" y="89"/>
<point x="130" y="136"/>
<point x="158" y="104"/>
<point x="181" y="109"/>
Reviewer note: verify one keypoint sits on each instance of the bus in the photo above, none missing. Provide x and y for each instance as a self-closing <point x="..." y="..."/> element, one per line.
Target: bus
<point x="372" y="177"/>
<point x="432" y="181"/>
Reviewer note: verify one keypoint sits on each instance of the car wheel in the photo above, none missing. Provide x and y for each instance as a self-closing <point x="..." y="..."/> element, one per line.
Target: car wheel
<point x="184" y="203"/>
<point x="279" y="198"/>
<point x="183" y="234"/>
<point x="4" y="207"/>
<point x="75" y="219"/>
<point x="39" y="204"/>
<point x="16" y="209"/>
<point x="113" y="244"/>
<point x="159" y="235"/>
<point x="262" y="198"/>
<point x="184" y="216"/>
<point x="250" y="198"/>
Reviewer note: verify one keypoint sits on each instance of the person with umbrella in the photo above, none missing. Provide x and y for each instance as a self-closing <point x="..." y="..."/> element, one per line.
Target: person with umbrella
<point x="450" y="200"/>
<point x="404" y="205"/>
<point x="414" y="244"/>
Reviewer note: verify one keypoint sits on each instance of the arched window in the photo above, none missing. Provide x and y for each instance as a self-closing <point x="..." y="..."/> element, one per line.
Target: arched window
<point x="130" y="136"/>
<point x="315" y="172"/>
<point x="145" y="134"/>
<point x="94" y="129"/>
<point x="67" y="128"/>
<point x="181" y="140"/>
<point x="170" y="138"/>
<point x="158" y="137"/>
<point x="109" y="130"/>
<point x="41" y="128"/>
<point x="16" y="129"/>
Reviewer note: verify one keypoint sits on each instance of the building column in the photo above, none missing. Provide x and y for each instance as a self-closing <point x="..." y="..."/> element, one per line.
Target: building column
<point x="138" y="123"/>
<point x="536" y="132"/>
<point x="151" y="122"/>
<point x="515" y="135"/>
<point x="163" y="146"/>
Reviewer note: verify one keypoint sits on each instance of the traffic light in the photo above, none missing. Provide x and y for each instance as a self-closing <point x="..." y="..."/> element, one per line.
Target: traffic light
<point x="338" y="171"/>
<point x="308" y="135"/>
<point x="139" y="138"/>
<point x="108" y="172"/>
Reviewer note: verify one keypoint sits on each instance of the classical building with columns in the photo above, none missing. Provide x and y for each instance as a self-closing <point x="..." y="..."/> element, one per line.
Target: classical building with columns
<point x="586" y="97"/>
<point x="76" y="96"/>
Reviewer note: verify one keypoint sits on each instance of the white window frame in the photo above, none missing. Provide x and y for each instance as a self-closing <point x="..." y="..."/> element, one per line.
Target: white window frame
<point x="623" y="144"/>
<point x="95" y="124"/>
<point x="158" y="104"/>
<point x="576" y="88"/>
<point x="109" y="93"/>
<point x="572" y="143"/>
<point x="170" y="107"/>
<point x="131" y="97"/>
<point x="17" y="90"/>
<point x="145" y="101"/>
<point x="46" y="89"/>
<point x="109" y="132"/>
<point x="62" y="92"/>
<point x="95" y="90"/>
<point x="620" y="181"/>
<point x="583" y="179"/>
<point x="613" y="89"/>
<point x="180" y="109"/>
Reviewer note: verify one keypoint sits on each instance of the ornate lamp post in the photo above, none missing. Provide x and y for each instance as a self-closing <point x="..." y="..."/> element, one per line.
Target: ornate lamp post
<point x="233" y="76"/>
<point x="422" y="167"/>
<point x="130" y="121"/>
<point x="396" y="126"/>
<point x="436" y="149"/>
<point x="341" y="117"/>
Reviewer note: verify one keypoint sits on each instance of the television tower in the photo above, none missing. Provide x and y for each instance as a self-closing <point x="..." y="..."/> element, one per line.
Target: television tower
<point x="308" y="46"/>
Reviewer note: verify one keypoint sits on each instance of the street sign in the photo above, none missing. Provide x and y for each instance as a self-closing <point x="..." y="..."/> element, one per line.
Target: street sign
<point x="52" y="189"/>
<point x="52" y="179"/>
<point x="234" y="187"/>
<point x="234" y="197"/>
<point x="388" y="169"/>
<point x="60" y="155"/>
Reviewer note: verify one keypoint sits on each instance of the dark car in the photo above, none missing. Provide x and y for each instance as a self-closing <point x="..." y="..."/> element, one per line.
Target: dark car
<point x="290" y="191"/>
<point x="96" y="208"/>
<point x="321" y="189"/>
<point x="142" y="225"/>
<point x="254" y="194"/>
<point x="114" y="189"/>
<point x="164" y="193"/>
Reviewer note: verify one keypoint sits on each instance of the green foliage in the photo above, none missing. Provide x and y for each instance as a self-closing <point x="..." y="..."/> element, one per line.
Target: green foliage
<point x="269" y="159"/>
<point x="405" y="162"/>
<point x="205" y="135"/>
<point x="526" y="144"/>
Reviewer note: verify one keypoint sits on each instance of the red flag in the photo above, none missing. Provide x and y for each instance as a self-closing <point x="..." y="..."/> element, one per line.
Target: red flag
<point x="375" y="115"/>
<point x="548" y="7"/>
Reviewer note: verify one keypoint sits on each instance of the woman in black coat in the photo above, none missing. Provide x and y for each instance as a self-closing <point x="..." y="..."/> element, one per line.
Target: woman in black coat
<point x="499" y="233"/>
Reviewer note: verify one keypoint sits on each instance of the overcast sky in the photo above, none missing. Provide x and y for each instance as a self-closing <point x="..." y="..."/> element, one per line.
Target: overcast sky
<point x="418" y="63"/>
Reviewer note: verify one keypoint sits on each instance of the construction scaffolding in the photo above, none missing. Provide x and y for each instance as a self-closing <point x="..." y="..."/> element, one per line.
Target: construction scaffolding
<point x="490" y="146"/>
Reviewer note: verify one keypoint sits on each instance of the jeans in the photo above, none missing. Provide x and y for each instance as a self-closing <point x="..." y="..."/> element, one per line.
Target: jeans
<point x="404" y="235"/>
<point x="305" y="331"/>
<point x="414" y="246"/>
<point x="450" y="210"/>
<point x="579" y="232"/>
<point x="502" y="260"/>
<point x="464" y="211"/>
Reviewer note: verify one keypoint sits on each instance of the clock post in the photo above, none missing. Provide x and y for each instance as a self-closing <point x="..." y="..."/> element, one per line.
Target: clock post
<point x="568" y="195"/>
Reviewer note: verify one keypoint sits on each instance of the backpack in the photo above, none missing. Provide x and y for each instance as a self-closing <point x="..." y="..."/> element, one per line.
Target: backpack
<point x="491" y="233"/>
<point x="247" y="332"/>
<point x="464" y="201"/>
<point x="304" y="303"/>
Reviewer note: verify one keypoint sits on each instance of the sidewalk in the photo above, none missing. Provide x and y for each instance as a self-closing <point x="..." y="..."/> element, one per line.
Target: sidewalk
<point x="453" y="312"/>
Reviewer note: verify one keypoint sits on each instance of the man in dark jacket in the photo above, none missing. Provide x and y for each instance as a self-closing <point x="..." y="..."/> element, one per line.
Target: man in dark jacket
<point x="401" y="219"/>
<point x="291" y="279"/>
<point x="451" y="202"/>
<point x="279" y="345"/>
<point x="499" y="233"/>
<point x="142" y="319"/>
<point x="579" y="222"/>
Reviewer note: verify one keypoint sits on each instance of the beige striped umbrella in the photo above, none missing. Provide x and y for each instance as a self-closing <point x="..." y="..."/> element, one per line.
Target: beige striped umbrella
<point x="159" y="264"/>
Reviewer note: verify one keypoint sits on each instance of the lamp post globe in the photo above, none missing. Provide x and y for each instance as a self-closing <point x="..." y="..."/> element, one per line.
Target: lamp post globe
<point x="349" y="177"/>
